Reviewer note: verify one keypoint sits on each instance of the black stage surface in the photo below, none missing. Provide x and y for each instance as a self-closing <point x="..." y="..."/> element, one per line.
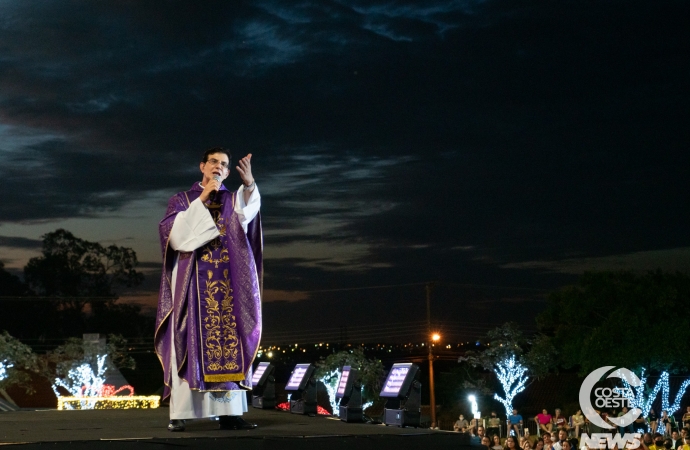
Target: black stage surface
<point x="145" y="429"/>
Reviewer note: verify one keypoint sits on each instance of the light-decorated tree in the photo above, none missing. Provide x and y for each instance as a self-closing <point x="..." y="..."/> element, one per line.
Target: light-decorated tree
<point x="370" y="370"/>
<point x="642" y="397"/>
<point x="511" y="355"/>
<point x="512" y="376"/>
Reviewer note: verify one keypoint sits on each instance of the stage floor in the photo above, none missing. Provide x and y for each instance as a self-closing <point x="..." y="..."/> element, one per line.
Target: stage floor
<point x="81" y="430"/>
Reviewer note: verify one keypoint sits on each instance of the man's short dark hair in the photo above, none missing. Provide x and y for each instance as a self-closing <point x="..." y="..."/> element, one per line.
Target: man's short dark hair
<point x="214" y="150"/>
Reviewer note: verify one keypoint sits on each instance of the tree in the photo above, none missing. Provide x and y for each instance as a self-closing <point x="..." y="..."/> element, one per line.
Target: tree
<point x="11" y="285"/>
<point x="73" y="267"/>
<point x="607" y="319"/>
<point x="16" y="361"/>
<point x="512" y="355"/>
<point x="370" y="370"/>
<point x="80" y="273"/>
<point x="67" y="358"/>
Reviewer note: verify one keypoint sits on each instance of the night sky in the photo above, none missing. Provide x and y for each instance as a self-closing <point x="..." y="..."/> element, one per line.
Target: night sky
<point x="501" y="147"/>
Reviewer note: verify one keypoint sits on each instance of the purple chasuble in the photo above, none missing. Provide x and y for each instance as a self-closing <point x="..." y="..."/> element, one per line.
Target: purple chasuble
<point x="217" y="301"/>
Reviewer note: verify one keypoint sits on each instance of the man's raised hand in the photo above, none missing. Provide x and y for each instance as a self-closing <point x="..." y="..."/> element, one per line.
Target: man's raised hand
<point x="245" y="170"/>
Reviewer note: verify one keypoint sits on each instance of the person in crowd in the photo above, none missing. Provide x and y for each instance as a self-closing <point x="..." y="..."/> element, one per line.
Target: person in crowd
<point x="521" y="441"/>
<point x="546" y="436"/>
<point x="658" y="442"/>
<point x="539" y="445"/>
<point x="511" y="443"/>
<point x="560" y="421"/>
<point x="486" y="442"/>
<point x="526" y="433"/>
<point x="686" y="417"/>
<point x="640" y="424"/>
<point x="578" y="422"/>
<point x="686" y="442"/>
<point x="493" y="424"/>
<point x="544" y="420"/>
<point x="480" y="431"/>
<point x="461" y="425"/>
<point x="646" y="441"/>
<point x="628" y="428"/>
<point x="653" y="420"/>
<point x="676" y="441"/>
<point x="562" y="436"/>
<point x="474" y="424"/>
<point x="514" y="422"/>
<point x="669" y="423"/>
<point x="565" y="445"/>
<point x="497" y="442"/>
<point x="526" y="445"/>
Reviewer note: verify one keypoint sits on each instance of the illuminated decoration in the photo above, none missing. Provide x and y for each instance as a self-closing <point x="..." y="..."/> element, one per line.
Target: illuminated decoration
<point x="330" y="381"/>
<point x="83" y="383"/>
<point x="638" y="400"/>
<point x="404" y="396"/>
<point x="511" y="375"/>
<point x="116" y="402"/>
<point x="303" y="401"/>
<point x="4" y="365"/>
<point x="285" y="406"/>
<point x="264" y="386"/>
<point x="89" y="390"/>
<point x="350" y="394"/>
<point x="475" y="409"/>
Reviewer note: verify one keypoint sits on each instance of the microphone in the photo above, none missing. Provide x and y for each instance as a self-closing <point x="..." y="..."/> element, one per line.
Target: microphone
<point x="212" y="195"/>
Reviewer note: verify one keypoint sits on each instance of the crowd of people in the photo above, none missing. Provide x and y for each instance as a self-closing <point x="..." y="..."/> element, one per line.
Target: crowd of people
<point x="559" y="432"/>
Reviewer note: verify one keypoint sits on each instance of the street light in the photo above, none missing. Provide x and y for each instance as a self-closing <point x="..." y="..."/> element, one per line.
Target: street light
<point x="432" y="397"/>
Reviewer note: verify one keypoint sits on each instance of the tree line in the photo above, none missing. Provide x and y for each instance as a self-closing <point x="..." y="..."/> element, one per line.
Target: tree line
<point x="70" y="289"/>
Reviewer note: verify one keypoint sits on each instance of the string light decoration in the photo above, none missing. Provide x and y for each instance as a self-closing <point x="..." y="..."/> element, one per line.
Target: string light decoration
<point x="89" y="390"/>
<point x="511" y="375"/>
<point x="117" y="402"/>
<point x="639" y="400"/>
<point x="4" y="365"/>
<point x="330" y="380"/>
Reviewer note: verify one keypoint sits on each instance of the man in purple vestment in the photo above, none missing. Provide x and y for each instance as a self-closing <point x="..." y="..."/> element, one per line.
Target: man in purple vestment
<point x="208" y="323"/>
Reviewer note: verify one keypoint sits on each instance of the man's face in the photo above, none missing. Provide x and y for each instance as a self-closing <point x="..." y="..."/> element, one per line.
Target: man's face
<point x="547" y="439"/>
<point x="648" y="439"/>
<point x="515" y="412"/>
<point x="674" y="435"/>
<point x="562" y="435"/>
<point x="217" y="164"/>
<point x="480" y="431"/>
<point x="543" y="411"/>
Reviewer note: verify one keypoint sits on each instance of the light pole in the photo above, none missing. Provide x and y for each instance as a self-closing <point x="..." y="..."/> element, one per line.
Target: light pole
<point x="433" y="338"/>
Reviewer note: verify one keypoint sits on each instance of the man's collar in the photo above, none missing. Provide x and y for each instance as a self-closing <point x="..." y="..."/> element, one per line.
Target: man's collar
<point x="198" y="187"/>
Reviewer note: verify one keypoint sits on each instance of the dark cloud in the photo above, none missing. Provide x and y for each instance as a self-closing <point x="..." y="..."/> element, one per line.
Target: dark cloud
<point x="20" y="242"/>
<point x="399" y="141"/>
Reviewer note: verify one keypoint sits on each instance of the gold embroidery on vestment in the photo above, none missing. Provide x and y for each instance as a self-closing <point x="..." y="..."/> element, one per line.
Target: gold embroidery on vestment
<point x="221" y="342"/>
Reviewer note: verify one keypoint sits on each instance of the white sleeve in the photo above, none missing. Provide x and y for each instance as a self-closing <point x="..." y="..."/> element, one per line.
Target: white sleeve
<point x="193" y="228"/>
<point x="248" y="212"/>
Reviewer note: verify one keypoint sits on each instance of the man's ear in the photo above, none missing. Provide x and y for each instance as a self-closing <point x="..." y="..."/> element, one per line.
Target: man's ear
<point x="201" y="167"/>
